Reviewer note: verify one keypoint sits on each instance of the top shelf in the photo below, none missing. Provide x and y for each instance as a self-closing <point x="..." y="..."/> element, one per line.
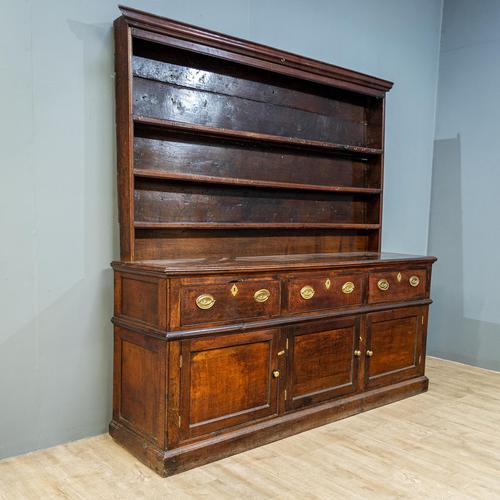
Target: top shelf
<point x="253" y="137"/>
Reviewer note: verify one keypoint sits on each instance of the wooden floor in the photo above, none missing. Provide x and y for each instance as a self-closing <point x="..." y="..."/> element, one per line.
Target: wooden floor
<point x="442" y="444"/>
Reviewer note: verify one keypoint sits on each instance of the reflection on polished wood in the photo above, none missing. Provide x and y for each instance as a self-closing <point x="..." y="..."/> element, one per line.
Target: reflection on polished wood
<point x="441" y="444"/>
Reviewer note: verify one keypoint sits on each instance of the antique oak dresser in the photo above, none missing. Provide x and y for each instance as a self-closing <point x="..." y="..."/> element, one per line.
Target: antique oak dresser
<point x="251" y="299"/>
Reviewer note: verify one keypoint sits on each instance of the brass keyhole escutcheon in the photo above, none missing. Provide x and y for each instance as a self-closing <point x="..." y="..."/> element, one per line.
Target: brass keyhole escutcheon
<point x="328" y="283"/>
<point x="234" y="290"/>
<point x="307" y="292"/>
<point x="383" y="284"/>
<point x="399" y="277"/>
<point x="414" y="280"/>
<point x="205" y="301"/>
<point x="276" y="373"/>
<point x="261" y="295"/>
<point x="348" y="287"/>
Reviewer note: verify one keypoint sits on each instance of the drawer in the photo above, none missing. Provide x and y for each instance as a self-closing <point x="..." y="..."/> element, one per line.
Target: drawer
<point x="224" y="300"/>
<point x="396" y="286"/>
<point x="311" y="292"/>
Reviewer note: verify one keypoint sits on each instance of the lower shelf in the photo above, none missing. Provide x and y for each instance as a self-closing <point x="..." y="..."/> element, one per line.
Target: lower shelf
<point x="169" y="462"/>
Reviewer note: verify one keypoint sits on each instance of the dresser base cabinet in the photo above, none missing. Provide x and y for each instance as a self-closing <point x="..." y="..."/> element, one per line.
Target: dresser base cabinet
<point x="187" y="394"/>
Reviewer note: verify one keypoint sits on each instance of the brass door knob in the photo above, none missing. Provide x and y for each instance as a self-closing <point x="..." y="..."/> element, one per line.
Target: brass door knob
<point x="369" y="353"/>
<point x="357" y="353"/>
<point x="276" y="373"/>
<point x="383" y="284"/>
<point x="307" y="292"/>
<point x="205" y="301"/>
<point x="261" y="295"/>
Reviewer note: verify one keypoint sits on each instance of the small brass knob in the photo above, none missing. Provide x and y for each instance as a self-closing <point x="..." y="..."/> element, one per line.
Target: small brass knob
<point x="261" y="295"/>
<point x="383" y="284"/>
<point x="276" y="373"/>
<point x="369" y="353"/>
<point x="414" y="280"/>
<point x="307" y="292"/>
<point x="357" y="353"/>
<point x="348" y="287"/>
<point x="205" y="301"/>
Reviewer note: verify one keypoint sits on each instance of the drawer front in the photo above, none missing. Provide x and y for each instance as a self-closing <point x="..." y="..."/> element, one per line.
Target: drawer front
<point x="222" y="300"/>
<point x="307" y="293"/>
<point x="395" y="286"/>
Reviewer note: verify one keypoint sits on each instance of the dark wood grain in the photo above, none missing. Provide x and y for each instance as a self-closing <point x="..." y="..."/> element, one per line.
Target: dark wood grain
<point x="167" y="102"/>
<point x="399" y="285"/>
<point x="167" y="32"/>
<point x="227" y="380"/>
<point x="244" y="169"/>
<point x="396" y="340"/>
<point x="176" y="242"/>
<point x="327" y="291"/>
<point x="322" y="362"/>
<point x="230" y="303"/>
<point x="193" y="203"/>
<point x="140" y="365"/>
<point x="252" y="164"/>
<point x="124" y="137"/>
<point x="166" y="126"/>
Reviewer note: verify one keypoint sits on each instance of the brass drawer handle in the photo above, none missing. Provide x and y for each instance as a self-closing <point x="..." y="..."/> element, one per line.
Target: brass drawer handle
<point x="369" y="353"/>
<point x="414" y="280"/>
<point x="348" y="287"/>
<point x="261" y="295"/>
<point x="276" y="373"/>
<point x="307" y="292"/>
<point x="357" y="353"/>
<point x="383" y="284"/>
<point x="205" y="301"/>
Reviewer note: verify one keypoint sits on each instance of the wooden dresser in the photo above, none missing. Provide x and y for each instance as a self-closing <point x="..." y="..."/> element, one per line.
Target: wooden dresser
<point x="251" y="299"/>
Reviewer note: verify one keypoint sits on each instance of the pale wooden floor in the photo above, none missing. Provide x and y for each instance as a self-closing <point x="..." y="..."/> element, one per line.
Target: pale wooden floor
<point x="442" y="444"/>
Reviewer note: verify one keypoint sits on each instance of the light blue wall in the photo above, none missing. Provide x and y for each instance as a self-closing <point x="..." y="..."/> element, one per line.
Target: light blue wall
<point x="465" y="209"/>
<point x="58" y="217"/>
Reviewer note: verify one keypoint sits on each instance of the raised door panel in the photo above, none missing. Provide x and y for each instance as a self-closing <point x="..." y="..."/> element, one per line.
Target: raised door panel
<point x="226" y="381"/>
<point x="394" y="348"/>
<point x="139" y="384"/>
<point x="322" y="361"/>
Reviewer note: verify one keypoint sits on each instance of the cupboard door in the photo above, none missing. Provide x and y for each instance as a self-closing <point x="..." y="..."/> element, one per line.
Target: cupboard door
<point x="394" y="345"/>
<point x="323" y="361"/>
<point x="228" y="380"/>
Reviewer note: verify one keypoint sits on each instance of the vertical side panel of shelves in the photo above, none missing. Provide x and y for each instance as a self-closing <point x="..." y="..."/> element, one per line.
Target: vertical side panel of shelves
<point x="124" y="137"/>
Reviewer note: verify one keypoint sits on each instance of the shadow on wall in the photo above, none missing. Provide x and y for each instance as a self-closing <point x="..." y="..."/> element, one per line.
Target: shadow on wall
<point x="451" y="334"/>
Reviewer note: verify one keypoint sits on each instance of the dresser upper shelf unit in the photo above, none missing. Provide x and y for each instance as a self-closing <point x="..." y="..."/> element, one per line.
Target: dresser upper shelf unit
<point x="232" y="148"/>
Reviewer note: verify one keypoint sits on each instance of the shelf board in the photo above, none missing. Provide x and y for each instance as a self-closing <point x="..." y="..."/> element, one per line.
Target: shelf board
<point x="185" y="177"/>
<point x="253" y="225"/>
<point x="253" y="137"/>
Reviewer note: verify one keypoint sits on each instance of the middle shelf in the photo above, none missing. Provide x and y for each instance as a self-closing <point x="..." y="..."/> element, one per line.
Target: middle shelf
<point x="254" y="137"/>
<point x="231" y="181"/>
